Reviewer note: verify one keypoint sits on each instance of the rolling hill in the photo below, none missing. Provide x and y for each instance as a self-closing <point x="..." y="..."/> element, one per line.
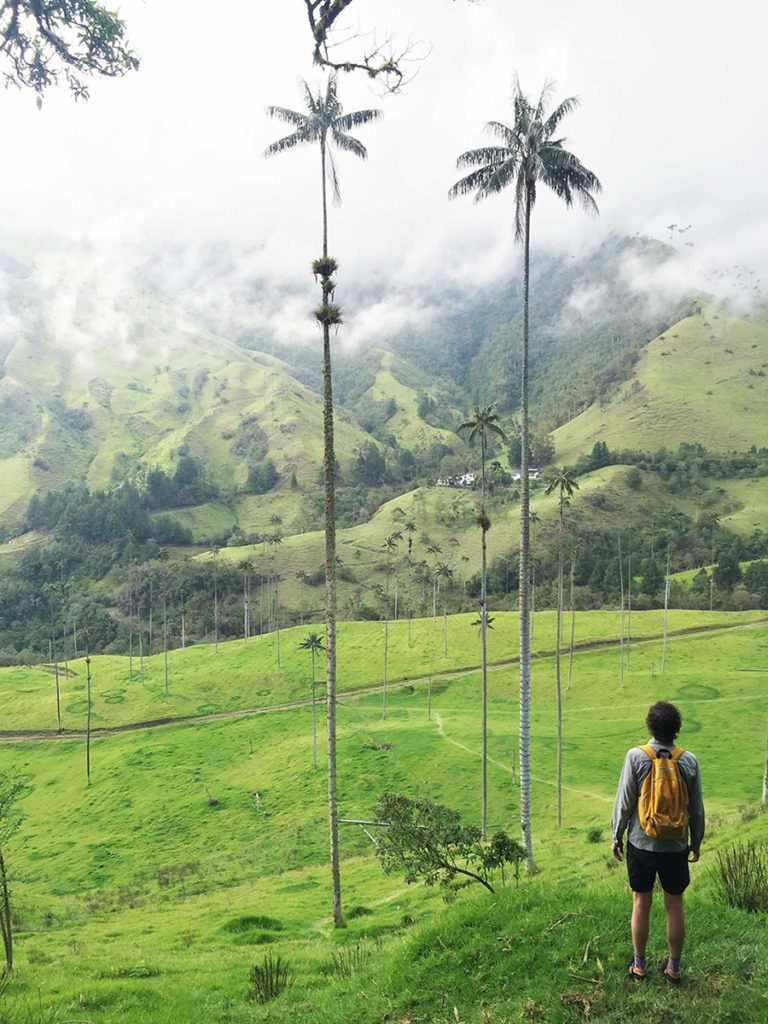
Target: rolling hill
<point x="704" y="380"/>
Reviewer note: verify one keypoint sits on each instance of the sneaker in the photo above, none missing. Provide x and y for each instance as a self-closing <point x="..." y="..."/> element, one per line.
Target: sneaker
<point x="672" y="977"/>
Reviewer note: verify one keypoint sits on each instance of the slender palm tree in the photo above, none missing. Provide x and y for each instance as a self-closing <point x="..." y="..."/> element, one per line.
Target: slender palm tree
<point x="214" y="551"/>
<point x="485" y="421"/>
<point x="410" y="529"/>
<point x="533" y="521"/>
<point x="530" y="155"/>
<point x="563" y="481"/>
<point x="325" y="124"/>
<point x="390" y="546"/>
<point x="444" y="572"/>
<point x="313" y="643"/>
<point x="434" y="550"/>
<point x="247" y="567"/>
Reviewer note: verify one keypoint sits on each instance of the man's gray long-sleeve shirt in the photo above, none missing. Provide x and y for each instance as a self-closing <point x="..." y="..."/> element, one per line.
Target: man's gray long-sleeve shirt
<point x="637" y="766"/>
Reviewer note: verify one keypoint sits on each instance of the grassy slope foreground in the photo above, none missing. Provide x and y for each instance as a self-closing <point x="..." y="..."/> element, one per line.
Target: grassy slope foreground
<point x="703" y="381"/>
<point x="141" y="901"/>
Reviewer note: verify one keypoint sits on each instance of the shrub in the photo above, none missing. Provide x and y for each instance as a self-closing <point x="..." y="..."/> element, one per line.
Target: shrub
<point x="594" y="835"/>
<point x="347" y="960"/>
<point x="268" y="979"/>
<point x="741" y="876"/>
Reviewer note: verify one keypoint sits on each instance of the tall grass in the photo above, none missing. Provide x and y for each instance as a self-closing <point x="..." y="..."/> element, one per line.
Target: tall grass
<point x="741" y="876"/>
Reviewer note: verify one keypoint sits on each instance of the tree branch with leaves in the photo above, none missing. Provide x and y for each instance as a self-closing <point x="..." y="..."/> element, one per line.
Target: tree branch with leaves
<point x="44" y="41"/>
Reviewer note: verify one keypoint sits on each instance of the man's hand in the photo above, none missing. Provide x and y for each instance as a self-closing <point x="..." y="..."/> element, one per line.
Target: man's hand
<point x="617" y="850"/>
<point x="693" y="856"/>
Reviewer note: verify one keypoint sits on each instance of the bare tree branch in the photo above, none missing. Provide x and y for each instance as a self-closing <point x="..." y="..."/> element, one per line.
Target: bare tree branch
<point x="384" y="62"/>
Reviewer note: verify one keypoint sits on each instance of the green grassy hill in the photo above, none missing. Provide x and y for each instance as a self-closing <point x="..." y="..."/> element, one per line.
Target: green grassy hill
<point x="139" y="900"/>
<point x="703" y="380"/>
<point x="206" y="680"/>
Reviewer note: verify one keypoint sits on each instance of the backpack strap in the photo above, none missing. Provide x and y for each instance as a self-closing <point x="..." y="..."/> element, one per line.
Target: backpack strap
<point x="677" y="753"/>
<point x="650" y="751"/>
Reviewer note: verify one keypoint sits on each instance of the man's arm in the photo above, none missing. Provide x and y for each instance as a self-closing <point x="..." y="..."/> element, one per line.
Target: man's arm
<point x="626" y="801"/>
<point x="695" y="813"/>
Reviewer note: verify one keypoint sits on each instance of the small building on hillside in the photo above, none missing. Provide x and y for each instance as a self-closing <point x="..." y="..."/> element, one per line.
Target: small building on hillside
<point x="465" y="480"/>
<point x="533" y="474"/>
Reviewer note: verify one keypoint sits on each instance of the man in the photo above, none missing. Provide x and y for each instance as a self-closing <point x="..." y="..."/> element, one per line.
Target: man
<point x="649" y="856"/>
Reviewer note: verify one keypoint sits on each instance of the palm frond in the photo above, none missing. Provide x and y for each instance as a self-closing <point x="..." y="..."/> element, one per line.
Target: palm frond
<point x="346" y="122"/>
<point x="502" y="131"/>
<point x="293" y="117"/>
<point x="557" y="115"/>
<point x="348" y="144"/>
<point x="333" y="178"/>
<point x="483" y="155"/>
<point x="289" y="142"/>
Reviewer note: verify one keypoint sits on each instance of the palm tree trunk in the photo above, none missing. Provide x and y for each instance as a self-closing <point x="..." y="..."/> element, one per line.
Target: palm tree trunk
<point x="88" y="719"/>
<point x="314" y="712"/>
<point x="629" y="592"/>
<point x="524" y="610"/>
<point x="483" y="650"/>
<point x="666" y="606"/>
<point x="216" y="614"/>
<point x="141" y="654"/>
<point x="557" y="670"/>
<point x="165" y="646"/>
<point x="277" y="619"/>
<point x="245" y="609"/>
<point x="621" y="619"/>
<point x="386" y="654"/>
<point x="573" y="623"/>
<point x="330" y="584"/>
<point x="6" y="918"/>
<point x="58" y="700"/>
<point x="130" y="637"/>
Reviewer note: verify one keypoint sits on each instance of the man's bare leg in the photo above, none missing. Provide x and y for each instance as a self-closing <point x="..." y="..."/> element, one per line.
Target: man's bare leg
<point x="641" y="916"/>
<point x="675" y="925"/>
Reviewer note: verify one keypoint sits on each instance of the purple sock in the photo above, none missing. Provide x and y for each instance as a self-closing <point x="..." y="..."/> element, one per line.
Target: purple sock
<point x="673" y="965"/>
<point x="639" y="962"/>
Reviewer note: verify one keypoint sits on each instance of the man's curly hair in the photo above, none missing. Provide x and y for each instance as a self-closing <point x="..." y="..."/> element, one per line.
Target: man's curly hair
<point x="664" y="721"/>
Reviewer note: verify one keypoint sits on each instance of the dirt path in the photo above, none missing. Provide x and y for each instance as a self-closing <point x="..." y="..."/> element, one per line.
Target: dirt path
<point x="511" y="771"/>
<point x="44" y="736"/>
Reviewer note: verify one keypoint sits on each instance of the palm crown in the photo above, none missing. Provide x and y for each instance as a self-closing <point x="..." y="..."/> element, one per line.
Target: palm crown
<point x="324" y="123"/>
<point x="529" y="153"/>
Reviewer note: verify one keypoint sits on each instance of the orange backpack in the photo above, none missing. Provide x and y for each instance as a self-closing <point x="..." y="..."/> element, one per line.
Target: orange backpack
<point x="663" y="802"/>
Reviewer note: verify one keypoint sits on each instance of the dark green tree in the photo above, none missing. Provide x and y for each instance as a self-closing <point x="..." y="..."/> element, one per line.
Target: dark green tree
<point x="427" y="842"/>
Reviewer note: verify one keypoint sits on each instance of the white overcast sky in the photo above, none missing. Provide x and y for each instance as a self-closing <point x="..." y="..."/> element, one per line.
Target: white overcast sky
<point x="673" y="120"/>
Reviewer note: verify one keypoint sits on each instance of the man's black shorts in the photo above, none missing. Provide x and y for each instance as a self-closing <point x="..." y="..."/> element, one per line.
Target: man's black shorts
<point x="644" y="865"/>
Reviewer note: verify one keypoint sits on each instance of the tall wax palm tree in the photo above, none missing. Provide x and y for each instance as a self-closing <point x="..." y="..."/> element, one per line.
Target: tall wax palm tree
<point x="444" y="572"/>
<point x="410" y="529"/>
<point x="247" y="567"/>
<point x="434" y="550"/>
<point x="390" y="545"/>
<point x="485" y="421"/>
<point x="562" y="481"/>
<point x="529" y="155"/>
<point x="313" y="643"/>
<point x="214" y="551"/>
<point x="324" y="124"/>
<point x="274" y="541"/>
